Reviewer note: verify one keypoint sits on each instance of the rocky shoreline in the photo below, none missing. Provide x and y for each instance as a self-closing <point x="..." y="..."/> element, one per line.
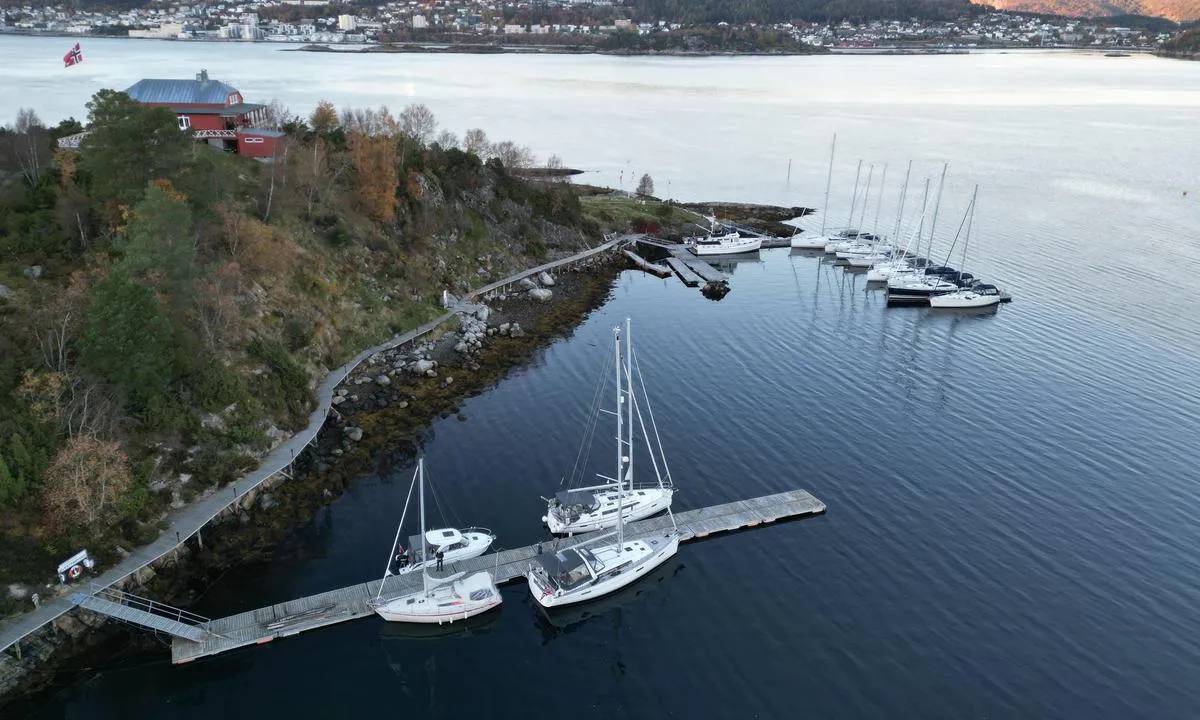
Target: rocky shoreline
<point x="385" y="404"/>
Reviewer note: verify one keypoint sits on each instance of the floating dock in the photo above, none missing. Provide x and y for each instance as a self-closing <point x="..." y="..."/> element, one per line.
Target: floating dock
<point x="644" y="264"/>
<point x="685" y="273"/>
<point x="703" y="269"/>
<point x="263" y="625"/>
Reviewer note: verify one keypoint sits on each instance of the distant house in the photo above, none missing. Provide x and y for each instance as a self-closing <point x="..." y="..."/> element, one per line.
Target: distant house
<point x="215" y="112"/>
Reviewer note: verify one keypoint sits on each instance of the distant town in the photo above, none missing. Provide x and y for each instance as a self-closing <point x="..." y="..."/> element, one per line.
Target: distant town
<point x="483" y="22"/>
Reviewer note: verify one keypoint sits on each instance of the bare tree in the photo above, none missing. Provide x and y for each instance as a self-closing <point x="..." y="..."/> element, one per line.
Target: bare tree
<point x="447" y="140"/>
<point x="645" y="186"/>
<point x="418" y="122"/>
<point x="512" y="155"/>
<point x="85" y="483"/>
<point x="31" y="139"/>
<point x="276" y="114"/>
<point x="475" y="141"/>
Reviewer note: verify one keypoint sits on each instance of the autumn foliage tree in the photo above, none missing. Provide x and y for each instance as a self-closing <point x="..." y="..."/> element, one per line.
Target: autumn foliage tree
<point x="85" y="484"/>
<point x="372" y="137"/>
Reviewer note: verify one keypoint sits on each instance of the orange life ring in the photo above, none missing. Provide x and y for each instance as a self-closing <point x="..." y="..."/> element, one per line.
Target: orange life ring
<point x="75" y="571"/>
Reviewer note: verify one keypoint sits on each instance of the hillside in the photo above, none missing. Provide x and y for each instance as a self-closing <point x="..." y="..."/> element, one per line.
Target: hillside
<point x="166" y="309"/>
<point x="1177" y="10"/>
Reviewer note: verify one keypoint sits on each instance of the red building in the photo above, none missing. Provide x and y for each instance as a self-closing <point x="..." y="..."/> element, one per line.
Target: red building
<point x="215" y="112"/>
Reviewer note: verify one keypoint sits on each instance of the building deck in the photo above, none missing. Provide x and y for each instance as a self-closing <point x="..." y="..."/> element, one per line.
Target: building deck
<point x="263" y="625"/>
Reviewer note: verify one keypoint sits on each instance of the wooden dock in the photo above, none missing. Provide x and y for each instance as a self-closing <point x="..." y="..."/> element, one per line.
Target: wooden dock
<point x="263" y="625"/>
<point x="644" y="264"/>
<point x="704" y="270"/>
<point x="685" y="273"/>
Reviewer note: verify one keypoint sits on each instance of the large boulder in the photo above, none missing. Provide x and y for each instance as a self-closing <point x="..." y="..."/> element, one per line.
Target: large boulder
<point x="6" y="292"/>
<point x="354" y="434"/>
<point x="527" y="283"/>
<point x="546" y="279"/>
<point x="482" y="313"/>
<point x="383" y="380"/>
<point x="540" y="294"/>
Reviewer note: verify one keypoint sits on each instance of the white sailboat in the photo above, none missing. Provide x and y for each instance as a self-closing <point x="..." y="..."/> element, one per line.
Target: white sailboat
<point x="801" y="241"/>
<point x="596" y="507"/>
<point x="440" y="600"/>
<point x="978" y="295"/>
<point x="598" y="566"/>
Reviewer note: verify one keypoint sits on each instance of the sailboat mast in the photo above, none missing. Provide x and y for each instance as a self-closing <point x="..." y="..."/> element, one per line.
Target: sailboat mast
<point x="620" y="451"/>
<point x="629" y="399"/>
<point x="903" y="198"/>
<point x="936" y="205"/>
<point x="828" y="182"/>
<point x="424" y="546"/>
<point x="924" y="211"/>
<point x="967" y="239"/>
<point x="854" y="195"/>
<point x="866" y="196"/>
<point x="879" y="200"/>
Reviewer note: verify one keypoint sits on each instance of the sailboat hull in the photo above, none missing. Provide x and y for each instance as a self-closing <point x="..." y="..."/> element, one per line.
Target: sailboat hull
<point x="448" y="603"/>
<point x="815" y="242"/>
<point x="638" y="504"/>
<point x="632" y="560"/>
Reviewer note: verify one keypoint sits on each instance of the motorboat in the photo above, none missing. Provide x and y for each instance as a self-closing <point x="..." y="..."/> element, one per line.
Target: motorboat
<point x="721" y="241"/>
<point x="439" y="600"/>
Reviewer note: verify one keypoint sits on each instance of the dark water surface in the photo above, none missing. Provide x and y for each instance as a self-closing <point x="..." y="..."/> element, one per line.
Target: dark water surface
<point x="1010" y="530"/>
<point x="1012" y="497"/>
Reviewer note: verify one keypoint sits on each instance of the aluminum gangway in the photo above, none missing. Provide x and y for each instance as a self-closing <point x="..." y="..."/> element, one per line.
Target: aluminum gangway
<point x="146" y="613"/>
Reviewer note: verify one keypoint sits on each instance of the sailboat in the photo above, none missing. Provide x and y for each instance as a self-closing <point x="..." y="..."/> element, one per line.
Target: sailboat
<point x="596" y="507"/>
<point x="597" y="566"/>
<point x="440" y="600"/>
<point x="971" y="296"/>
<point x="817" y="242"/>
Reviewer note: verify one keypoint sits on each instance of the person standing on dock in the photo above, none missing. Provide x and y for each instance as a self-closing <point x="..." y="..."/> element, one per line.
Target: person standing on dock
<point x="439" y="559"/>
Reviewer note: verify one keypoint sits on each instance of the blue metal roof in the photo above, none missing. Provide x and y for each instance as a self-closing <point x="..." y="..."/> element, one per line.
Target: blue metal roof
<point x="201" y="90"/>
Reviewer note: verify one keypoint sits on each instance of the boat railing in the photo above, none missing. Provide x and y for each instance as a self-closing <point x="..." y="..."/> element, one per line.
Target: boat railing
<point x="483" y="530"/>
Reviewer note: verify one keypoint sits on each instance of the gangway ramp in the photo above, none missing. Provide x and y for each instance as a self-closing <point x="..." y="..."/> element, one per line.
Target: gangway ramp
<point x="146" y="613"/>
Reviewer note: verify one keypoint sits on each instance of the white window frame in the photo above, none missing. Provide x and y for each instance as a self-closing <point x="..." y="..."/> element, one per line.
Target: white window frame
<point x="185" y="122"/>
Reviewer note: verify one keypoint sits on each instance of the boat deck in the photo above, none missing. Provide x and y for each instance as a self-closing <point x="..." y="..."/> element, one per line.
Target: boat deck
<point x="263" y="625"/>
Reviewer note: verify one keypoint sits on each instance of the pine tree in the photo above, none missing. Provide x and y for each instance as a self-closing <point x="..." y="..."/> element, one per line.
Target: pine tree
<point x="10" y="489"/>
<point x="645" y="185"/>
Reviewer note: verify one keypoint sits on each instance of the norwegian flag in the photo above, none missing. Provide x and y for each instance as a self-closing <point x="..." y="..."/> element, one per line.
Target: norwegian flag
<point x="74" y="57"/>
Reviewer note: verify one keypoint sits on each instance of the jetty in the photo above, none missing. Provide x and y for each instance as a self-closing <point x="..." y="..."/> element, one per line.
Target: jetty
<point x="643" y="264"/>
<point x="194" y="637"/>
<point x="685" y="273"/>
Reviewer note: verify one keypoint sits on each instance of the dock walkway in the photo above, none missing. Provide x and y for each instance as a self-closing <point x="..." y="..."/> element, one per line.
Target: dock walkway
<point x="295" y="616"/>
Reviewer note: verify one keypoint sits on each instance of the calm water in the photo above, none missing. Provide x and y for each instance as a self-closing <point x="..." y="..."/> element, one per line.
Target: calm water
<point x="1012" y="497"/>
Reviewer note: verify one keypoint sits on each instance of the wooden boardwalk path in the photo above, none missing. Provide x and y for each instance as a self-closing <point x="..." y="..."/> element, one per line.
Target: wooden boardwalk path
<point x="295" y="616"/>
<point x="187" y="521"/>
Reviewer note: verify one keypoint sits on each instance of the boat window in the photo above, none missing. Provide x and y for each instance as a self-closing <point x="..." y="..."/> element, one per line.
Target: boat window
<point x="641" y="492"/>
<point x="609" y="512"/>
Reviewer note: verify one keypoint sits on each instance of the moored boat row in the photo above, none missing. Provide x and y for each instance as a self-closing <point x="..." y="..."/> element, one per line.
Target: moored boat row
<point x="588" y="569"/>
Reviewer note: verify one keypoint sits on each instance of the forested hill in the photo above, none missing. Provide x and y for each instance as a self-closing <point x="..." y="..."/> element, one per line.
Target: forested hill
<point x="778" y="11"/>
<point x="166" y="308"/>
